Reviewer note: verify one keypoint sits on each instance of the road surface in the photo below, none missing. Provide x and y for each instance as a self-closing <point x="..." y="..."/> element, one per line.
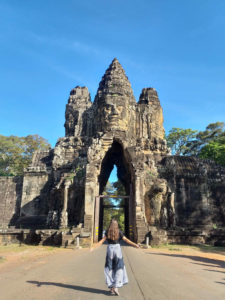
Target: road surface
<point x="78" y="274"/>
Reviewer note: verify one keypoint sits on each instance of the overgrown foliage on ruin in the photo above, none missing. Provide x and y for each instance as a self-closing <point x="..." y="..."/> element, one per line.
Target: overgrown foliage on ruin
<point x="207" y="144"/>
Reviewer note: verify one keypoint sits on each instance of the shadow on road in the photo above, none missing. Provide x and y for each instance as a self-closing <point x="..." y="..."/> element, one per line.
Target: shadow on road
<point x="73" y="287"/>
<point x="203" y="261"/>
<point x="217" y="263"/>
<point x="214" y="271"/>
<point x="220" y="282"/>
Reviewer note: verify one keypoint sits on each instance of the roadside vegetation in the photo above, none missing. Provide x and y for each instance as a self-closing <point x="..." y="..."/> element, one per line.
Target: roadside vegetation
<point x="207" y="144"/>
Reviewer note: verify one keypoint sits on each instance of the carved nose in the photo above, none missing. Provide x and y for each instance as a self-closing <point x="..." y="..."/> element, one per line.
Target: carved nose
<point x="115" y="111"/>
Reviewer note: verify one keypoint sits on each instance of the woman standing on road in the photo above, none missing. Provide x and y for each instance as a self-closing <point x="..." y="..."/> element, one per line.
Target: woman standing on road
<point x="115" y="271"/>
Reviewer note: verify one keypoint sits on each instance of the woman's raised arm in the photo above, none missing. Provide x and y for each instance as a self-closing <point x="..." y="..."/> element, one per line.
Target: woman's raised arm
<point x="98" y="244"/>
<point x="130" y="242"/>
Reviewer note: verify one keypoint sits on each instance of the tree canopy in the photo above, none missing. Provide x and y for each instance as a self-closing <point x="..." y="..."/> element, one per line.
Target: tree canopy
<point x="117" y="212"/>
<point x="178" y="138"/>
<point x="212" y="133"/>
<point x="16" y="152"/>
<point x="214" y="150"/>
<point x="207" y="144"/>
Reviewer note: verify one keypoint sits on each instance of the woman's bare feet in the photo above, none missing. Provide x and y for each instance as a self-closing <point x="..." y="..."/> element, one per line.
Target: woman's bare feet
<point x="116" y="291"/>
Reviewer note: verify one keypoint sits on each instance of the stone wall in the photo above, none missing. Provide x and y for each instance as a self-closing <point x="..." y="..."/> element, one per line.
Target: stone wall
<point x="36" y="191"/>
<point x="198" y="187"/>
<point x="34" y="194"/>
<point x="10" y="200"/>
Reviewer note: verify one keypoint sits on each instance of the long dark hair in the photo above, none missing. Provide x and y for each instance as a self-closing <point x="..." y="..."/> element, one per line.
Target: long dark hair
<point x="113" y="230"/>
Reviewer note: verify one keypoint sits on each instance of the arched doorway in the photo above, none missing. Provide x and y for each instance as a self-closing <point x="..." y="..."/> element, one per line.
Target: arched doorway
<point x="121" y="204"/>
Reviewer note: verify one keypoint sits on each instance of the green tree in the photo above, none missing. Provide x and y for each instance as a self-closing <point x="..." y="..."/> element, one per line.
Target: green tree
<point x="16" y="152"/>
<point x="215" y="151"/>
<point x="117" y="212"/>
<point x="119" y="188"/>
<point x="178" y="138"/>
<point x="206" y="144"/>
<point x="214" y="132"/>
<point x="109" y="189"/>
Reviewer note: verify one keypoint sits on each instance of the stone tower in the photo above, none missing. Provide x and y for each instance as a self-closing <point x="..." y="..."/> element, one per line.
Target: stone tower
<point x="63" y="187"/>
<point x="113" y="130"/>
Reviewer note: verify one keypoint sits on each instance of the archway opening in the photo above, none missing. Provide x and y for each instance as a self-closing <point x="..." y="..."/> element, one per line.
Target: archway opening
<point x="113" y="204"/>
<point x="114" y="190"/>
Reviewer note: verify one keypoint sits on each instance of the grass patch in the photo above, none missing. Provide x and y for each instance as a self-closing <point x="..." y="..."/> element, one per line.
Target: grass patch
<point x="20" y="253"/>
<point x="174" y="249"/>
<point x="171" y="247"/>
<point x="2" y="259"/>
<point x="209" y="248"/>
<point x="13" y="248"/>
<point x="16" y="248"/>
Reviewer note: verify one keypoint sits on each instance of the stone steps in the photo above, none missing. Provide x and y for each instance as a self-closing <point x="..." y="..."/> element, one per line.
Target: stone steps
<point x="67" y="240"/>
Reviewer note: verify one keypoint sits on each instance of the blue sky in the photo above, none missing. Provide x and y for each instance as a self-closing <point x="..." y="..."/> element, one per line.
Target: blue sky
<point x="113" y="176"/>
<point x="48" y="47"/>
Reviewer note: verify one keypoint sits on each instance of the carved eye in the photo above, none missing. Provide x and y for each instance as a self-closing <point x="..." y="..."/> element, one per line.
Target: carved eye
<point x="108" y="108"/>
<point x="120" y="109"/>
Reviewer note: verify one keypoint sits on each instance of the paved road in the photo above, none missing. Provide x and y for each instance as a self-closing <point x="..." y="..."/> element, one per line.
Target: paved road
<point x="79" y="275"/>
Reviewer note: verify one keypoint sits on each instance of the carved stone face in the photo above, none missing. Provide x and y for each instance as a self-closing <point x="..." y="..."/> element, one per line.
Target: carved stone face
<point x="114" y="116"/>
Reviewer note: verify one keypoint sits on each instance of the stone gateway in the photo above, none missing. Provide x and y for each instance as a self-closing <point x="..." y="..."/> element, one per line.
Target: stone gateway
<point x="168" y="198"/>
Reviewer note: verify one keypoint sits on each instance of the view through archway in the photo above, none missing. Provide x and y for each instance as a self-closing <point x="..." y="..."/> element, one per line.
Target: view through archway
<point x="114" y="192"/>
<point x="114" y="205"/>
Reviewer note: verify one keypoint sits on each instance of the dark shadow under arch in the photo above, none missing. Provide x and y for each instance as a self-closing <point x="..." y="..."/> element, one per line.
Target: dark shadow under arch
<point x="115" y="156"/>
